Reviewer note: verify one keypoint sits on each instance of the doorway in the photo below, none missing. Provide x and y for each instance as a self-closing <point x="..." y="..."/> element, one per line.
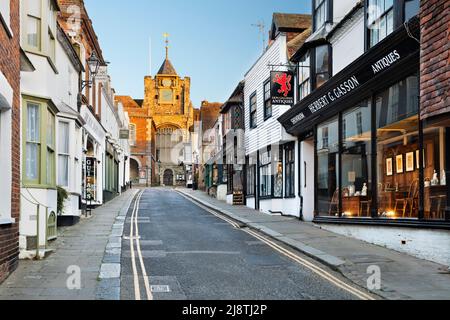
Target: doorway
<point x="168" y="178"/>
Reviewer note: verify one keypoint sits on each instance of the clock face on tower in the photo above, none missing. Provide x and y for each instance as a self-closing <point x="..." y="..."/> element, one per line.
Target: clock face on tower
<point x="167" y="82"/>
<point x="166" y="95"/>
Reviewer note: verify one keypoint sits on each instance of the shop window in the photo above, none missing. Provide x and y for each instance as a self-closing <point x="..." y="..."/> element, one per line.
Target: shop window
<point x="265" y="174"/>
<point x="253" y="110"/>
<point x="278" y="173"/>
<point x="63" y="154"/>
<point x="436" y="173"/>
<point x="304" y="76"/>
<point x="267" y="100"/>
<point x="251" y="173"/>
<point x="290" y="170"/>
<point x="320" y="12"/>
<point x="356" y="161"/>
<point x="380" y="20"/>
<point x="327" y="168"/>
<point x="398" y="150"/>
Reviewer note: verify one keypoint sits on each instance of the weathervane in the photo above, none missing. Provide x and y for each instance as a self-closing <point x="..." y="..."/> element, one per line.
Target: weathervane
<point x="166" y="36"/>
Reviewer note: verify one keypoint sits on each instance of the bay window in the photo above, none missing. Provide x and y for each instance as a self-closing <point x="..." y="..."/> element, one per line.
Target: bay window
<point x="39" y="143"/>
<point x="322" y="65"/>
<point x="304" y="76"/>
<point x="63" y="154"/>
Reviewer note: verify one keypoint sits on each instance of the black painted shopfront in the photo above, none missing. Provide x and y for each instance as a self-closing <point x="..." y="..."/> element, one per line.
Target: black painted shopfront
<point x="376" y="162"/>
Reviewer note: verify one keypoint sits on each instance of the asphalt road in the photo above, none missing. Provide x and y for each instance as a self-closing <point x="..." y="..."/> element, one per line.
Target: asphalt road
<point x="191" y="254"/>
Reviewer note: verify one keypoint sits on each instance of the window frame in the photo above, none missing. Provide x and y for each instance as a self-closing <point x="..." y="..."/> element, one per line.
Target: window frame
<point x="308" y="80"/>
<point x="44" y="107"/>
<point x="5" y="17"/>
<point x="267" y="100"/>
<point x="269" y="191"/>
<point x="313" y="63"/>
<point x="250" y="180"/>
<point x="47" y="28"/>
<point x="63" y="154"/>
<point x="253" y="114"/>
<point x="289" y="178"/>
<point x="328" y="13"/>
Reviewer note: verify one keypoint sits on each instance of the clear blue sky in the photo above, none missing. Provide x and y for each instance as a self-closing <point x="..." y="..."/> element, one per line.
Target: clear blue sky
<point x="212" y="41"/>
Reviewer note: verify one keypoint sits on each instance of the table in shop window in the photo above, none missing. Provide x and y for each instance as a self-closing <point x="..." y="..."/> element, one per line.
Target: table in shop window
<point x="353" y="204"/>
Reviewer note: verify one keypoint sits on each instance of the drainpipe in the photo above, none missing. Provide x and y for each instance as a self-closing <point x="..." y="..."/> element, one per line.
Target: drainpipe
<point x="37" y="231"/>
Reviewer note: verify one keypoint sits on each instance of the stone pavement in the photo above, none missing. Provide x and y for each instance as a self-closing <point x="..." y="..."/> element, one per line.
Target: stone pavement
<point x="87" y="247"/>
<point x="402" y="276"/>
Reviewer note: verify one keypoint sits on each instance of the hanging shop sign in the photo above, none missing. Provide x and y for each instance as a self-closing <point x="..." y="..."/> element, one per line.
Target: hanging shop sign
<point x="124" y="134"/>
<point x="91" y="180"/>
<point x="349" y="81"/>
<point x="282" y="87"/>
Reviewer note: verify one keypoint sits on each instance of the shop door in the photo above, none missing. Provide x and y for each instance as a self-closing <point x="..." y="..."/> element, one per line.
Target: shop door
<point x="168" y="178"/>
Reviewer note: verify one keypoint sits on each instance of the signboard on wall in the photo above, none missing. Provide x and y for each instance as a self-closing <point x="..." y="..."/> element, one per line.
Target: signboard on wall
<point x="124" y="134"/>
<point x="91" y="179"/>
<point x="282" y="87"/>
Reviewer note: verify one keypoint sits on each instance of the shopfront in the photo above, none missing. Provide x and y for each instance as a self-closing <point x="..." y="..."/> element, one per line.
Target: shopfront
<point x="375" y="160"/>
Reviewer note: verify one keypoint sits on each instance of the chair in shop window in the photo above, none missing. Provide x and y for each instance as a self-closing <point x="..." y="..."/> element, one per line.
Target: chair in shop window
<point x="335" y="200"/>
<point x="438" y="207"/>
<point x="367" y="204"/>
<point x="411" y="201"/>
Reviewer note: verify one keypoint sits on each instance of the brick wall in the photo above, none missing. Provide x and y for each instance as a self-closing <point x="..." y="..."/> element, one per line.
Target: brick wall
<point x="435" y="57"/>
<point x="10" y="67"/>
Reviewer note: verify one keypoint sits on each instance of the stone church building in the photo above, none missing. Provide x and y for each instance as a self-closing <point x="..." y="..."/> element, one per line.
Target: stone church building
<point x="160" y="128"/>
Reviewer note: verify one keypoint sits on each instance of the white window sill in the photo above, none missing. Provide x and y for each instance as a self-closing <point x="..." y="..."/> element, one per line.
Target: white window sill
<point x="4" y="221"/>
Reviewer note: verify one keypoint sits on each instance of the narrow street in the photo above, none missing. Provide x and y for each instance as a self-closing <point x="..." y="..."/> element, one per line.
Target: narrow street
<point x="191" y="254"/>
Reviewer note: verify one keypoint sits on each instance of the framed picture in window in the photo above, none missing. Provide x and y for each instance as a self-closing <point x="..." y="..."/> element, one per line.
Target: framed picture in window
<point x="389" y="167"/>
<point x="399" y="163"/>
<point x="410" y="162"/>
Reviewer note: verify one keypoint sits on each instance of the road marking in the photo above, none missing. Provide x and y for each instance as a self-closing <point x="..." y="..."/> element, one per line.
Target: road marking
<point x="316" y="269"/>
<point x="138" y="245"/>
<point x="137" y="291"/>
<point x="160" y="289"/>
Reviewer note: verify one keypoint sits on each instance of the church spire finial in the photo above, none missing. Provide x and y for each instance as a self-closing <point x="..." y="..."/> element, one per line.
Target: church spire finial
<point x="166" y="36"/>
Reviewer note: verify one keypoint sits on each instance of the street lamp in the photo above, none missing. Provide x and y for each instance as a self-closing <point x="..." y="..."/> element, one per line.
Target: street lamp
<point x="94" y="65"/>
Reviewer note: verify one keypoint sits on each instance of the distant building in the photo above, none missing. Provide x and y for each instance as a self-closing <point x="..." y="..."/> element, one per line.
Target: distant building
<point x="161" y="125"/>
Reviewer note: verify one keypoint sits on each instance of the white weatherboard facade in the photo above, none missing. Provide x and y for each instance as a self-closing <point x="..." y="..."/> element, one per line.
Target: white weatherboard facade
<point x="269" y="132"/>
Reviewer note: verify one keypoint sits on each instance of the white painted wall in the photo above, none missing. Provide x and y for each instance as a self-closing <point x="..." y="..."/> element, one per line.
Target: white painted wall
<point x="432" y="245"/>
<point x="6" y="93"/>
<point x="348" y="42"/>
<point x="307" y="155"/>
<point x="341" y="8"/>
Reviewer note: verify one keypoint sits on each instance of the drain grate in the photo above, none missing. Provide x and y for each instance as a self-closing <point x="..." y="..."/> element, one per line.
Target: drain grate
<point x="160" y="289"/>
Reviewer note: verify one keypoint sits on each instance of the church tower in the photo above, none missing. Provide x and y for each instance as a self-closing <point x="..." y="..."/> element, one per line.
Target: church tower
<point x="168" y="103"/>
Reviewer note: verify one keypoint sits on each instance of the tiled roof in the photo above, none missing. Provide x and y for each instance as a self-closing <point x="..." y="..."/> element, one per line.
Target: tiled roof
<point x="297" y="42"/>
<point x="167" y="68"/>
<point x="291" y="22"/>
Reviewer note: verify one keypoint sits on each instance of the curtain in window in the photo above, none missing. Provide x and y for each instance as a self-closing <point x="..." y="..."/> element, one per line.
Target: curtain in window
<point x="32" y="144"/>
<point x="63" y="157"/>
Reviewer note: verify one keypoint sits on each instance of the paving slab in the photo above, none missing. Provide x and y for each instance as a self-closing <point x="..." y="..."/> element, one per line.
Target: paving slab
<point x="78" y="250"/>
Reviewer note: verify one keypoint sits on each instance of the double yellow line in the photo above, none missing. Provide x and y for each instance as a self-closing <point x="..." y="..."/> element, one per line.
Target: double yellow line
<point x="134" y="236"/>
<point x="305" y="263"/>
